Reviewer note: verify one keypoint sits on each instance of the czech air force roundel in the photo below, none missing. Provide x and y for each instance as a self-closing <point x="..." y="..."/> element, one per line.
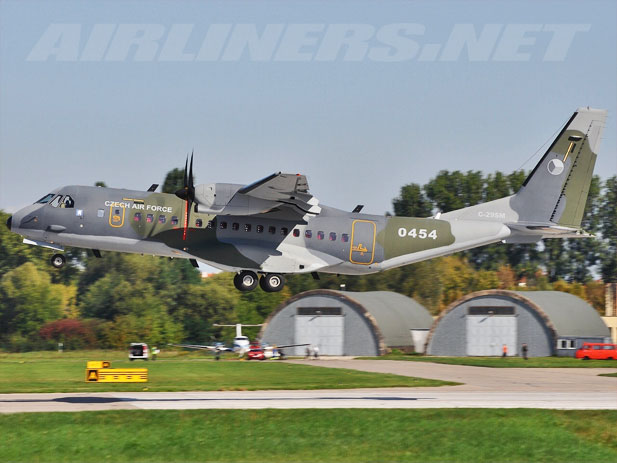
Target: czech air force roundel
<point x="555" y="167"/>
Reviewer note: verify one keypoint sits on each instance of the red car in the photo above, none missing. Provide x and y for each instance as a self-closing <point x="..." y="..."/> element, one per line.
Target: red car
<point x="256" y="353"/>
<point x="597" y="350"/>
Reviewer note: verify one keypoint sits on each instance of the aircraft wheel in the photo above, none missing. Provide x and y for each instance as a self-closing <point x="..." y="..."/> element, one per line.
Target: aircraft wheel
<point x="272" y="282"/>
<point x="245" y="280"/>
<point x="58" y="260"/>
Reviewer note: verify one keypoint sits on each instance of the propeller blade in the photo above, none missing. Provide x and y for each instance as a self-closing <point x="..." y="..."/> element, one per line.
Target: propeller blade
<point x="187" y="193"/>
<point x="190" y="183"/>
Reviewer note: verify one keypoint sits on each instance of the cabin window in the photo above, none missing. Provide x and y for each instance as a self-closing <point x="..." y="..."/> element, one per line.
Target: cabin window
<point x="199" y="223"/>
<point x="137" y="217"/>
<point x="79" y="212"/>
<point x="45" y="199"/>
<point x="67" y="202"/>
<point x="320" y="235"/>
<point x="247" y="227"/>
<point x="56" y="201"/>
<point x="344" y="237"/>
<point x="308" y="234"/>
<point x="150" y="218"/>
<point x="259" y="229"/>
<point x="284" y="231"/>
<point x="100" y="213"/>
<point x="223" y="226"/>
<point x="235" y="226"/>
<point x="271" y="230"/>
<point x="174" y="220"/>
<point x="162" y="218"/>
<point x="296" y="232"/>
<point x="332" y="236"/>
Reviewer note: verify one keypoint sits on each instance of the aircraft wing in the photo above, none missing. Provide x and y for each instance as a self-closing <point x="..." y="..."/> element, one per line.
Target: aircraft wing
<point x="290" y="345"/>
<point x="201" y="347"/>
<point x="277" y="186"/>
<point x="549" y="230"/>
<point x="279" y="193"/>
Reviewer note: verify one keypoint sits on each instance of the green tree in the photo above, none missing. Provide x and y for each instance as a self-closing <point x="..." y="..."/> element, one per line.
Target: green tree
<point x="28" y="300"/>
<point x="204" y="304"/>
<point x="608" y="227"/>
<point x="584" y="254"/>
<point x="174" y="180"/>
<point x="13" y="252"/>
<point x="412" y="202"/>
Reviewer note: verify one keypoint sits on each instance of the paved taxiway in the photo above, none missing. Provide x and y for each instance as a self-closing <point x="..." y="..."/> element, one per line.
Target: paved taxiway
<point x="563" y="388"/>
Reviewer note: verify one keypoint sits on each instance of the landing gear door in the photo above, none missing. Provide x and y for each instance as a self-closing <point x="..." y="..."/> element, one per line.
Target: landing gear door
<point x="362" y="249"/>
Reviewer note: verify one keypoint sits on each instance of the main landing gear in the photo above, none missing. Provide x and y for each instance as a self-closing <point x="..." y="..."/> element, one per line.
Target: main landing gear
<point x="247" y="280"/>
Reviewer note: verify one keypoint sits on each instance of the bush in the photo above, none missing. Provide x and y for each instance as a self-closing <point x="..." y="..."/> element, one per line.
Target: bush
<point x="74" y="333"/>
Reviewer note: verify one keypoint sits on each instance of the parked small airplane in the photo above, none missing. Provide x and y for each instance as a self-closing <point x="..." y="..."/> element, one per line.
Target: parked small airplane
<point x="217" y="347"/>
<point x="241" y="343"/>
<point x="275" y="226"/>
<point x="241" y="346"/>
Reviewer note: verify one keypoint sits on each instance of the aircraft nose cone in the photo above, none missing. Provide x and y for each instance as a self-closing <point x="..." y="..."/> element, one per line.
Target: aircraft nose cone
<point x="9" y="221"/>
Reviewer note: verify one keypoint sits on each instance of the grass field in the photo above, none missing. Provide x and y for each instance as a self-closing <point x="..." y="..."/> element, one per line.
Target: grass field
<point x="55" y="372"/>
<point x="337" y="435"/>
<point x="508" y="362"/>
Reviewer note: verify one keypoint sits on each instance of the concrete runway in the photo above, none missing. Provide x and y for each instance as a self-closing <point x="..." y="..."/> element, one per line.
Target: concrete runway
<point x="563" y="388"/>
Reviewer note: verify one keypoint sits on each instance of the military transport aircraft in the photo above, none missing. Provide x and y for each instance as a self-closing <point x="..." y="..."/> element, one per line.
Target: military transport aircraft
<point x="274" y="226"/>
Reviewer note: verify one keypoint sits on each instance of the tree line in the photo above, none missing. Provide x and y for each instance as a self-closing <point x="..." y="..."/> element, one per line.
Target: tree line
<point x="120" y="298"/>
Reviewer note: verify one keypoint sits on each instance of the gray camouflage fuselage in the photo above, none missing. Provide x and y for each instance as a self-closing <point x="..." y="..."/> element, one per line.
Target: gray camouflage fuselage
<point x="234" y="227"/>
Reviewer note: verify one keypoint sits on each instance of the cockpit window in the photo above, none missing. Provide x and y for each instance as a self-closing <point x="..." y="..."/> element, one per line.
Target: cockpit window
<point x="67" y="202"/>
<point x="56" y="201"/>
<point x="45" y="199"/>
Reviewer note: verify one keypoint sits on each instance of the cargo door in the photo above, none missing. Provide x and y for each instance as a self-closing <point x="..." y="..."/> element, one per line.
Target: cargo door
<point x="362" y="249"/>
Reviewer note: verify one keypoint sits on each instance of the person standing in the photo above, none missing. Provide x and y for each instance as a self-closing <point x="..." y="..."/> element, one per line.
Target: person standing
<point x="504" y="351"/>
<point x="155" y="352"/>
<point x="316" y="352"/>
<point x="524" y="349"/>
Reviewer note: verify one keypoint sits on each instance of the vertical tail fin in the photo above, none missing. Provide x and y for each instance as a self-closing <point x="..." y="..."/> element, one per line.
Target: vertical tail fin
<point x="556" y="190"/>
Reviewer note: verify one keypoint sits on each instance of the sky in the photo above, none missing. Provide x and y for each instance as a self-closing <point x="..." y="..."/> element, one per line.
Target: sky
<point x="361" y="97"/>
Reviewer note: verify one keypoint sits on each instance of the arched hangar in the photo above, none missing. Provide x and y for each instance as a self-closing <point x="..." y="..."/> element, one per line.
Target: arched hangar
<point x="348" y="323"/>
<point x="549" y="322"/>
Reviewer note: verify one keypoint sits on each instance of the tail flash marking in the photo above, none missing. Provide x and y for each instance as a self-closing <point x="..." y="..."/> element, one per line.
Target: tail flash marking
<point x="570" y="149"/>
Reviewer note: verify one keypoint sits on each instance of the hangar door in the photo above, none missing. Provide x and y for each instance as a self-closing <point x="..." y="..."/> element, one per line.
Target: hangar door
<point x="489" y="328"/>
<point x="322" y="327"/>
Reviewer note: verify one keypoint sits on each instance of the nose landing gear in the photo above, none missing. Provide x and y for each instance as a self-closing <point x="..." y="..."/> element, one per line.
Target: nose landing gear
<point x="58" y="260"/>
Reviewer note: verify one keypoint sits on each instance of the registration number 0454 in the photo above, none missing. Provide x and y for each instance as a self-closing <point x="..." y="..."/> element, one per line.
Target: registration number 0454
<point x="421" y="233"/>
